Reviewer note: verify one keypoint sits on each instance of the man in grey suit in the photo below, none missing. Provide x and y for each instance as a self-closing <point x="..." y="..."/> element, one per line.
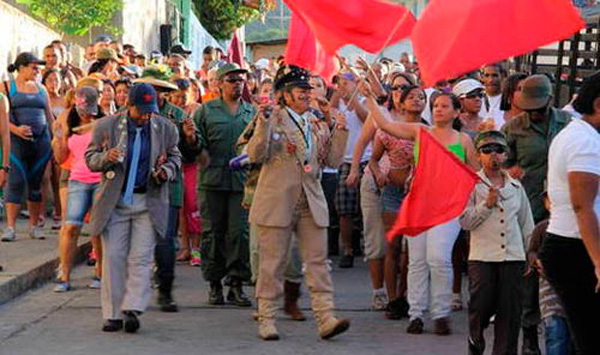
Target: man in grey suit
<point x="136" y="150"/>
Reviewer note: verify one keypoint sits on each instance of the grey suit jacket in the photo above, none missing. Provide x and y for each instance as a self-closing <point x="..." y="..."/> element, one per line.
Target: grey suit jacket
<point x="163" y="140"/>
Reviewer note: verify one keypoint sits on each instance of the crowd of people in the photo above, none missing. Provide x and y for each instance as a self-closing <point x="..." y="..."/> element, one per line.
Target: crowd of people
<point x="259" y="172"/>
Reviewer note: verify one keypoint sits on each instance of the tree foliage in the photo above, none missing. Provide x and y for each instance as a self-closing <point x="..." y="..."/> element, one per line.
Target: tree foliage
<point x="222" y="17"/>
<point x="75" y="17"/>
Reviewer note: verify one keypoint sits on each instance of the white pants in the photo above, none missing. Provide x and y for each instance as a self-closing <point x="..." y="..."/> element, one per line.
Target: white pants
<point x="128" y="253"/>
<point x="430" y="268"/>
<point x="373" y="229"/>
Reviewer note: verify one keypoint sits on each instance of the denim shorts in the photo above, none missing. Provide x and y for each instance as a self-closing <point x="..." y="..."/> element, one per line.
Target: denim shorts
<point x="79" y="201"/>
<point x="391" y="198"/>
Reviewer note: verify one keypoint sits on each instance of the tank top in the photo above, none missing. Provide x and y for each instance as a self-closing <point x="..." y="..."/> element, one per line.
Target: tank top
<point x="29" y="109"/>
<point x="457" y="149"/>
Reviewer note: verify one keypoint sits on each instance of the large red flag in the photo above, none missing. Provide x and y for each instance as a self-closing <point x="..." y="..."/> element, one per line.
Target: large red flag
<point x="454" y="37"/>
<point x="368" y="24"/>
<point x="439" y="192"/>
<point x="304" y="50"/>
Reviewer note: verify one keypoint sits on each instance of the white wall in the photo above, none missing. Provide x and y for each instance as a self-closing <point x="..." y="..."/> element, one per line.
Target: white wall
<point x="21" y="34"/>
<point x="141" y="23"/>
<point x="199" y="39"/>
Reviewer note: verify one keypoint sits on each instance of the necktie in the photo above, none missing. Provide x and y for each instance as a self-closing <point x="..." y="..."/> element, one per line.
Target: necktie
<point x="135" y="159"/>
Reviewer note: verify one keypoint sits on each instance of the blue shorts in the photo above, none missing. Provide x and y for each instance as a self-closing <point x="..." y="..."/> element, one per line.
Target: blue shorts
<point x="391" y="198"/>
<point x="79" y="201"/>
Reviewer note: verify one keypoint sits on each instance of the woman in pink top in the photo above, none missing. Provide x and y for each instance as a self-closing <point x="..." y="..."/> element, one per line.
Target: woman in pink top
<point x="82" y="182"/>
<point x="411" y="102"/>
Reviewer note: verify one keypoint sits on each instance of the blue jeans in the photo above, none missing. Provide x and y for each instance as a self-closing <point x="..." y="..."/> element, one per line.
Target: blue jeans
<point x="80" y="197"/>
<point x="558" y="339"/>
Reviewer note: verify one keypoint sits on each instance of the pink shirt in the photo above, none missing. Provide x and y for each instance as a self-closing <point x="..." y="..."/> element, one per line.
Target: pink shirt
<point x="77" y="144"/>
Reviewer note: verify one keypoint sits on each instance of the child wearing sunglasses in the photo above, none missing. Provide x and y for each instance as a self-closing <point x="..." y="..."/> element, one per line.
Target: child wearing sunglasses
<point x="500" y="220"/>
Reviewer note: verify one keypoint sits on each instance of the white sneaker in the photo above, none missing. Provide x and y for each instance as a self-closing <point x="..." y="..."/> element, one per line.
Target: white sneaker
<point x="9" y="235"/>
<point x="37" y="233"/>
<point x="456" y="302"/>
<point x="95" y="284"/>
<point x="379" y="300"/>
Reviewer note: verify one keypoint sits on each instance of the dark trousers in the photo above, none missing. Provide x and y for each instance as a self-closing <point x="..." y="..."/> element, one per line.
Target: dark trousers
<point x="570" y="271"/>
<point x="164" y="254"/>
<point x="329" y="183"/>
<point x="225" y="240"/>
<point x="495" y="288"/>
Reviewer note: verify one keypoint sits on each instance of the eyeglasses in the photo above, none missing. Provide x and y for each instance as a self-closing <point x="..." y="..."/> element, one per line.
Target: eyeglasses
<point x="235" y="80"/>
<point x="492" y="148"/>
<point x="399" y="87"/>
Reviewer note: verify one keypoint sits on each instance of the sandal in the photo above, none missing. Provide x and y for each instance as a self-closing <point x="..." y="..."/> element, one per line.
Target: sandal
<point x="184" y="254"/>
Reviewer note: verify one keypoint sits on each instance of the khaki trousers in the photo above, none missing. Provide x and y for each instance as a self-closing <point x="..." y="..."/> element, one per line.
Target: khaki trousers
<point x="312" y="241"/>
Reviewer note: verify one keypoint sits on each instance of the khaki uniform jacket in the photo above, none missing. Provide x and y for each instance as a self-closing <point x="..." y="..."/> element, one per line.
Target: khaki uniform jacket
<point x="278" y="144"/>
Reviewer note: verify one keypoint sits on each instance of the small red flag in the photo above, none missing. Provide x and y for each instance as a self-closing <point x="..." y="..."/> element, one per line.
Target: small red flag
<point x="304" y="50"/>
<point x="368" y="24"/>
<point x="452" y="38"/>
<point x="439" y="192"/>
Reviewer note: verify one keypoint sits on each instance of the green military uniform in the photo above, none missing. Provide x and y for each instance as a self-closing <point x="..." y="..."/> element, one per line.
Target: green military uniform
<point x="177" y="116"/>
<point x="221" y="192"/>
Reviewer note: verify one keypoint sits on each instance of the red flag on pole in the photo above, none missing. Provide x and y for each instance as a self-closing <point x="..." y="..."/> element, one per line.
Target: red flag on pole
<point x="304" y="50"/>
<point x="368" y="24"/>
<point x="454" y="37"/>
<point x="439" y="192"/>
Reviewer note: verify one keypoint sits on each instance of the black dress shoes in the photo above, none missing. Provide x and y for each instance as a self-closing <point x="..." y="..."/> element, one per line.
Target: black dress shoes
<point x="112" y="325"/>
<point x="130" y="321"/>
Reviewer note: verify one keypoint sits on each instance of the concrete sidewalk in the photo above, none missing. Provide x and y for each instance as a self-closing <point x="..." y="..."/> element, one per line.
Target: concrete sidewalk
<point x="29" y="263"/>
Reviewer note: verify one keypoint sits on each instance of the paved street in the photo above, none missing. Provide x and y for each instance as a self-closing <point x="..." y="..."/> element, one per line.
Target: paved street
<point x="42" y="322"/>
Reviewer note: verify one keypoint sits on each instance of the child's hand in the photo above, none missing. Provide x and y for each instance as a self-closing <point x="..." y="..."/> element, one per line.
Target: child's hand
<point x="492" y="198"/>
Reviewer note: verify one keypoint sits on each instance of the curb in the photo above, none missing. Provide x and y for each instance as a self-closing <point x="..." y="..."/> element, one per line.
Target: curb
<point x="37" y="276"/>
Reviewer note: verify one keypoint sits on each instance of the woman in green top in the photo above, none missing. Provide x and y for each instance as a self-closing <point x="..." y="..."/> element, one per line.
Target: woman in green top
<point x="430" y="253"/>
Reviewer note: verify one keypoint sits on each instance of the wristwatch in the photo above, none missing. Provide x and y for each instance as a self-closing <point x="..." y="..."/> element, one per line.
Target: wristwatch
<point x="5" y="168"/>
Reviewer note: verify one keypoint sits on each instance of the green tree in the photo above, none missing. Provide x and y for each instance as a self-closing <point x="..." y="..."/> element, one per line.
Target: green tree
<point x="222" y="17"/>
<point x="75" y="17"/>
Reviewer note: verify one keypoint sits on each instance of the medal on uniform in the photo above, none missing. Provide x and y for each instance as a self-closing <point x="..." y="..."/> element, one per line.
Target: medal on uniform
<point x="110" y="175"/>
<point x="307" y="168"/>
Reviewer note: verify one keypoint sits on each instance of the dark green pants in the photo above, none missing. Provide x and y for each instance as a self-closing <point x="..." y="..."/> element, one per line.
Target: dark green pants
<point x="225" y="244"/>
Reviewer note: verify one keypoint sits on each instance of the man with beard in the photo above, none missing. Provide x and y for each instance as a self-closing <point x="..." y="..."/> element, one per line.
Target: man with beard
<point x="529" y="135"/>
<point x="499" y="219"/>
<point x="221" y="191"/>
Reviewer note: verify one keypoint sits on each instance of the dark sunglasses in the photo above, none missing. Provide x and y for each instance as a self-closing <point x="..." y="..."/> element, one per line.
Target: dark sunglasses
<point x="474" y="95"/>
<point x="399" y="87"/>
<point x="235" y="80"/>
<point x="541" y="110"/>
<point x="492" y="148"/>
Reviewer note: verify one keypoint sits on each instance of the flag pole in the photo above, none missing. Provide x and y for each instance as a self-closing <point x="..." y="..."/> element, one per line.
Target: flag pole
<point x="389" y="39"/>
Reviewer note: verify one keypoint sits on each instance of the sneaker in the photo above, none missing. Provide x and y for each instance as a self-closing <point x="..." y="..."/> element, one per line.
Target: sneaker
<point x="56" y="224"/>
<point x="379" y="300"/>
<point x="456" y="302"/>
<point x="95" y="284"/>
<point x="9" y="235"/>
<point x="195" y="258"/>
<point x="24" y="214"/>
<point x="62" y="286"/>
<point x="37" y="233"/>
<point x="415" y="326"/>
<point x="346" y="262"/>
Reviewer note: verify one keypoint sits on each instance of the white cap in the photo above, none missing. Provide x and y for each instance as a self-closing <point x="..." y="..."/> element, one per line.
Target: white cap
<point x="466" y="86"/>
<point x="262" y="63"/>
<point x="397" y="68"/>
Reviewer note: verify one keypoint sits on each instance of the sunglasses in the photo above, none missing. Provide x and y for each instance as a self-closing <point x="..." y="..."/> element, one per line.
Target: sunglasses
<point x="492" y="148"/>
<point x="235" y="80"/>
<point x="474" y="95"/>
<point x="399" y="87"/>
